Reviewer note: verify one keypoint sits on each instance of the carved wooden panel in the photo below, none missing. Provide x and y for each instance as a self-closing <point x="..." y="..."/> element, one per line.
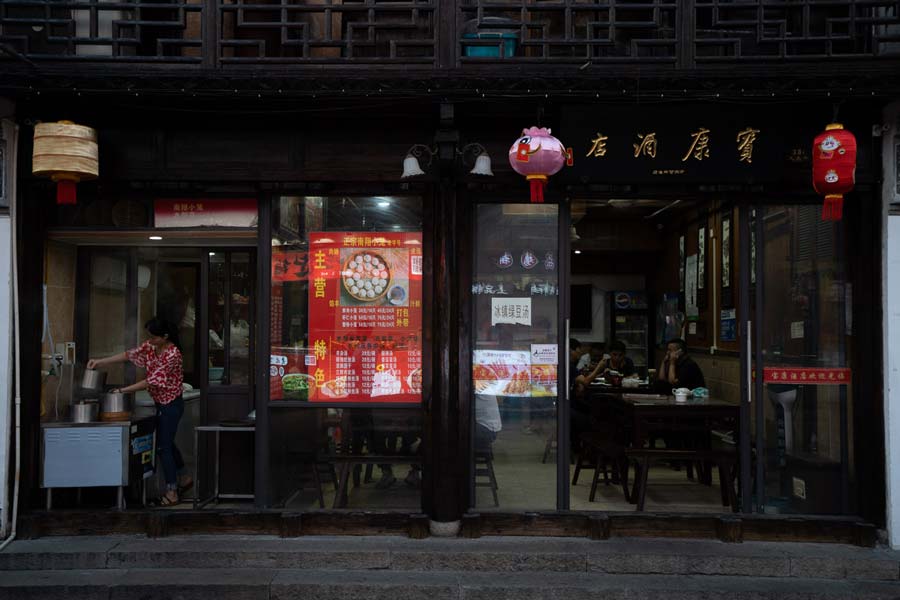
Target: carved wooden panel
<point x="327" y="31"/>
<point x="569" y="30"/>
<point x="728" y="30"/>
<point x="148" y="30"/>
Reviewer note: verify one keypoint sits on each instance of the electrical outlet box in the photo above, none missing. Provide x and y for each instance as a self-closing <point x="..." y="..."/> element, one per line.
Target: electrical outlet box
<point x="67" y="351"/>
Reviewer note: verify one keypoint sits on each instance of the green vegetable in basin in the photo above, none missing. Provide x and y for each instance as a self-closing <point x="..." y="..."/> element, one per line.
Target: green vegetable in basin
<point x="296" y="384"/>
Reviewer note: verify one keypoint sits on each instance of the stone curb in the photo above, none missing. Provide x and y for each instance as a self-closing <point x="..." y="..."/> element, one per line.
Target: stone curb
<point x="522" y="555"/>
<point x="265" y="584"/>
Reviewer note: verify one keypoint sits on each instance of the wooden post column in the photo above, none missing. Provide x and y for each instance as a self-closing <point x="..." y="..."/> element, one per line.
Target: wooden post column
<point x="447" y="406"/>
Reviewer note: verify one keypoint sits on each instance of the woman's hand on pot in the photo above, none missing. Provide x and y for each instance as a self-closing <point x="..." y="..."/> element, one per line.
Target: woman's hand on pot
<point x="93" y="363"/>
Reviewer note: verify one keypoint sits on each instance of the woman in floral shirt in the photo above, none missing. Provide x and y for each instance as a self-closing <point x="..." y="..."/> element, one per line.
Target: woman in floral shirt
<point x="161" y="357"/>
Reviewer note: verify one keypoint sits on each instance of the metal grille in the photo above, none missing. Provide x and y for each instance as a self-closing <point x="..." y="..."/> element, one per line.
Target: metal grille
<point x="569" y="30"/>
<point x="161" y="30"/>
<point x="327" y="31"/>
<point x="729" y="30"/>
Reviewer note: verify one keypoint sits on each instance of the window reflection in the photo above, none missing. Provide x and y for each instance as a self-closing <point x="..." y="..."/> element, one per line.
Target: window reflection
<point x="346" y="332"/>
<point x="515" y="361"/>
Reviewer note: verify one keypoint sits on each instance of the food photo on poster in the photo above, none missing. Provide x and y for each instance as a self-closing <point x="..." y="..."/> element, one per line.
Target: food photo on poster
<point x="365" y="306"/>
<point x="516" y="373"/>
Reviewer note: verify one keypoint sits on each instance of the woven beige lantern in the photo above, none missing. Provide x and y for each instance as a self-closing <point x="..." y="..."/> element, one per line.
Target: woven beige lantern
<point x="66" y="153"/>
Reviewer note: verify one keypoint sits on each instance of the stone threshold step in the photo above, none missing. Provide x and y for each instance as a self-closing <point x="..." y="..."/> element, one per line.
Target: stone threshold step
<point x="499" y="554"/>
<point x="265" y="584"/>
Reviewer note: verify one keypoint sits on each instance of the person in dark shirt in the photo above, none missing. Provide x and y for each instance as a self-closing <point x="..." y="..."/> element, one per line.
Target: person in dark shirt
<point x="617" y="360"/>
<point x="678" y="369"/>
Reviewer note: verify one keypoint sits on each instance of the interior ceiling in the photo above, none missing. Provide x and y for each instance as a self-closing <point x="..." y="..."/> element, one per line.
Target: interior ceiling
<point x="627" y="208"/>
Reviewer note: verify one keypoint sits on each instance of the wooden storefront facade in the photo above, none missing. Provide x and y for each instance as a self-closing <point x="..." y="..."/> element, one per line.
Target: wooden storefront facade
<point x="206" y="100"/>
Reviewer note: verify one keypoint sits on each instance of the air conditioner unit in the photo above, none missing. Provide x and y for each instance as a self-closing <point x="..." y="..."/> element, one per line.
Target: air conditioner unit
<point x="112" y="274"/>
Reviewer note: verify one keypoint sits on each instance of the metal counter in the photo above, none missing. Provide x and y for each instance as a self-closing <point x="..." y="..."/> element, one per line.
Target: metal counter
<point x="96" y="454"/>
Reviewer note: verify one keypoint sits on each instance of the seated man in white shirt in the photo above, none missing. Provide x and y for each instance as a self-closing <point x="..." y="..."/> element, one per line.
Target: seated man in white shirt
<point x="487" y="421"/>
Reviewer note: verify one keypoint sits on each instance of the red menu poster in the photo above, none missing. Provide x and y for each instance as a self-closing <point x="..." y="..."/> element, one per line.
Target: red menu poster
<point x="365" y="325"/>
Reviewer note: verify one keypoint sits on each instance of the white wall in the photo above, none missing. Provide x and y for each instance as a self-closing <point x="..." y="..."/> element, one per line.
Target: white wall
<point x="602" y="285"/>
<point x="10" y="139"/>
<point x="891" y="311"/>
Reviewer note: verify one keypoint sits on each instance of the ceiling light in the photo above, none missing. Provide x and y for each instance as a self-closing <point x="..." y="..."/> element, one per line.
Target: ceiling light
<point x="384" y="204"/>
<point x="621" y="202"/>
<point x="578" y="252"/>
<point x="212" y="253"/>
<point x="155" y="238"/>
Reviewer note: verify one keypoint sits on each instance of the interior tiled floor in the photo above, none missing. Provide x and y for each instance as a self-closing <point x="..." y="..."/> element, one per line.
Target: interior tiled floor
<point x="525" y="483"/>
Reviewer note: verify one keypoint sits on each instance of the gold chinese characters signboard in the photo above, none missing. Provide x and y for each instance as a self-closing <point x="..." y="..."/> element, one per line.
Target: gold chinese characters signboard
<point x="678" y="143"/>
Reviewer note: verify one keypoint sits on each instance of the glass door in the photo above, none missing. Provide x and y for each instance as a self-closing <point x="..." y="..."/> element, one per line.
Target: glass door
<point x="230" y="327"/>
<point x="803" y="332"/>
<point x="518" y="377"/>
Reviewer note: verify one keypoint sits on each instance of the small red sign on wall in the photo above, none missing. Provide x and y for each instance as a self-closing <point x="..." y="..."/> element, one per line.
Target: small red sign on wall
<point x="205" y="212"/>
<point x="806" y="375"/>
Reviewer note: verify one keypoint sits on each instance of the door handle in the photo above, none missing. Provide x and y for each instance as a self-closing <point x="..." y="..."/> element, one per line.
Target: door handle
<point x="568" y="365"/>
<point x="749" y="362"/>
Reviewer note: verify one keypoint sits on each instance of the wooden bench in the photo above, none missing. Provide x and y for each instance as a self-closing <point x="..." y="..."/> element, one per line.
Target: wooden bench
<point x="725" y="460"/>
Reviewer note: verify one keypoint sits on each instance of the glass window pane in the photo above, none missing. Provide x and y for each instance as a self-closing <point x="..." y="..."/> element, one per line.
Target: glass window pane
<point x="516" y="355"/>
<point x="240" y="316"/>
<point x="806" y="338"/>
<point x="216" y="307"/>
<point x="108" y="320"/>
<point x="176" y="302"/>
<point x="346" y="330"/>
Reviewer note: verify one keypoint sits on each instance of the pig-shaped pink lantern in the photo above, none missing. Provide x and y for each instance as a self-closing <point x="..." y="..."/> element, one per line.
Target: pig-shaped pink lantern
<point x="537" y="155"/>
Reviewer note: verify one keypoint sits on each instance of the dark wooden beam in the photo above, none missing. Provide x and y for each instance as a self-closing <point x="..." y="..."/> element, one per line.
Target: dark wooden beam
<point x="595" y="525"/>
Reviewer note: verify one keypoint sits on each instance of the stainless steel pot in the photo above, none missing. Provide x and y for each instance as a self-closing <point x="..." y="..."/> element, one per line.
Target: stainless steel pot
<point x="93" y="380"/>
<point x="84" y="412"/>
<point x="115" y="402"/>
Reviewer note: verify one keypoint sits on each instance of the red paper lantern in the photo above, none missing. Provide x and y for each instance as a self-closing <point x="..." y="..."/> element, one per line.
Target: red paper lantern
<point x="537" y="155"/>
<point x="834" y="168"/>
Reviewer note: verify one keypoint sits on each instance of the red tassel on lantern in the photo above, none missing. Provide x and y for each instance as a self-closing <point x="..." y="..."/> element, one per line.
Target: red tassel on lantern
<point x="834" y="168"/>
<point x="65" y="192"/>
<point x="833" y="209"/>
<point x="538" y="182"/>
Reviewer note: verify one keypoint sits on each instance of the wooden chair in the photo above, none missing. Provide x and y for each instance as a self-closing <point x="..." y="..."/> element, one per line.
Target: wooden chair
<point x="549" y="446"/>
<point x="599" y="450"/>
<point x="484" y="467"/>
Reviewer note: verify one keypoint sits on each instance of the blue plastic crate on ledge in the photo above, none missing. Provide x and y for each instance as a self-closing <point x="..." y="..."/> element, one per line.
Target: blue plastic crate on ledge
<point x="507" y="41"/>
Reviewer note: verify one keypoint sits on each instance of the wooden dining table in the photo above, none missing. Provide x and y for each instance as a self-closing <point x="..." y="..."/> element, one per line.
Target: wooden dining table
<point x="642" y="416"/>
<point x="647" y="413"/>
